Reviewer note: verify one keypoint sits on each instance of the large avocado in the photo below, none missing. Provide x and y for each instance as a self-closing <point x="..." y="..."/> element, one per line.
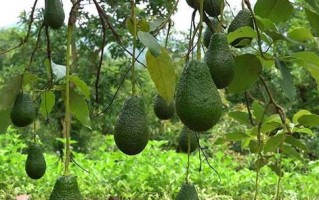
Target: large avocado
<point x="187" y="192"/>
<point x="66" y="188"/>
<point x="198" y="104"/>
<point x="54" y="13"/>
<point x="23" y="111"/>
<point x="131" y="130"/>
<point x="35" y="165"/>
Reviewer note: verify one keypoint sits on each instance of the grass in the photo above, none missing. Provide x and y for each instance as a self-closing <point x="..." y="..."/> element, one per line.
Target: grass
<point x="153" y="174"/>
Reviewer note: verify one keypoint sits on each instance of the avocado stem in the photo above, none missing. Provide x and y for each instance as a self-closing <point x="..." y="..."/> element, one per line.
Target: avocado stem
<point x="133" y="20"/>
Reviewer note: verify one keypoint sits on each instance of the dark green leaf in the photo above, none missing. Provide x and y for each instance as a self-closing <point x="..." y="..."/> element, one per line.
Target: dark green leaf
<point x="313" y="3"/>
<point x="287" y="82"/>
<point x="259" y="163"/>
<point x="81" y="85"/>
<point x="247" y="71"/>
<point x="273" y="143"/>
<point x="275" y="10"/>
<point x="276" y="169"/>
<point x="5" y="120"/>
<point x="30" y="79"/>
<point x="9" y="92"/>
<point x="241" y="117"/>
<point x="313" y="19"/>
<point x="258" y="111"/>
<point x="150" y="42"/>
<point x="290" y="151"/>
<point x="253" y="146"/>
<point x="241" y="32"/>
<point x="236" y="136"/>
<point x="296" y="143"/>
<point x="309" y="120"/>
<point x="47" y="103"/>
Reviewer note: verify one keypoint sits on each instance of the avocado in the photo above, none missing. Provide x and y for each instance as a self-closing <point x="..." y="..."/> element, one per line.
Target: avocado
<point x="192" y="3"/>
<point x="23" y="111"/>
<point x="66" y="188"/>
<point x="187" y="140"/>
<point x="35" y="165"/>
<point x="163" y="110"/>
<point x="198" y="104"/>
<point x="187" y="192"/>
<point x="208" y="33"/>
<point x="131" y="130"/>
<point x="220" y="60"/>
<point x="213" y="7"/>
<point x="54" y="13"/>
<point x="243" y="18"/>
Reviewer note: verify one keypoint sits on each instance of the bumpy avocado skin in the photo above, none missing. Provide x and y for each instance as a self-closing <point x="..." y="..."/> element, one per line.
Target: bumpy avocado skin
<point x="54" y="13"/>
<point x="185" y="136"/>
<point x="243" y="18"/>
<point x="187" y="192"/>
<point x="220" y="60"/>
<point x="131" y="130"/>
<point x="198" y="104"/>
<point x="213" y="7"/>
<point x="66" y="188"/>
<point x="23" y="111"/>
<point x="35" y="165"/>
<point x="163" y="110"/>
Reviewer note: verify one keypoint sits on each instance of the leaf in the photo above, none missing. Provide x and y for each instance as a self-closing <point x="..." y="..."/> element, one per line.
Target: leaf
<point x="265" y="24"/>
<point x="9" y="92"/>
<point x="310" y="61"/>
<point x="162" y="72"/>
<point x="81" y="85"/>
<point x="150" y="42"/>
<point x="288" y="150"/>
<point x="5" y="120"/>
<point x="313" y="19"/>
<point x="269" y="127"/>
<point x="313" y="3"/>
<point x="247" y="71"/>
<point x="241" y="32"/>
<point x="253" y="146"/>
<point x="156" y="24"/>
<point x="47" y="103"/>
<point x="241" y="117"/>
<point x="305" y="130"/>
<point x="300" y="34"/>
<point x="300" y="113"/>
<point x="236" y="136"/>
<point x="30" y="79"/>
<point x="258" y="111"/>
<point x="273" y="143"/>
<point x="129" y="25"/>
<point x="143" y="25"/>
<point x="296" y="143"/>
<point x="286" y="82"/>
<point x="259" y="163"/>
<point x="309" y="120"/>
<point x="276" y="169"/>
<point x="275" y="10"/>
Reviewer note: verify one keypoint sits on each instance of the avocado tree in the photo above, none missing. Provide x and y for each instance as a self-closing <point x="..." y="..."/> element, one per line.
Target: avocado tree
<point x="241" y="53"/>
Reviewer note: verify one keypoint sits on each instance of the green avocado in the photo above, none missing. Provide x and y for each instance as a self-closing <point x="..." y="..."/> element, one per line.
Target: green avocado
<point x="66" y="188"/>
<point x="163" y="110"/>
<point x="198" y="104"/>
<point x="187" y="140"/>
<point x="213" y="7"/>
<point x="208" y="33"/>
<point x="220" y="60"/>
<point x="243" y="18"/>
<point x="131" y="130"/>
<point x="187" y="192"/>
<point x="54" y="13"/>
<point x="35" y="165"/>
<point x="23" y="111"/>
<point x="192" y="3"/>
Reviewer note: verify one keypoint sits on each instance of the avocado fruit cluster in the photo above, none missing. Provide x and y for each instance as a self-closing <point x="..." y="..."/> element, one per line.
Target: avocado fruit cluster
<point x="23" y="111"/>
<point x="187" y="141"/>
<point x="162" y="109"/>
<point x="131" y="130"/>
<point x="66" y="188"/>
<point x="35" y="165"/>
<point x="53" y="13"/>
<point x="187" y="192"/>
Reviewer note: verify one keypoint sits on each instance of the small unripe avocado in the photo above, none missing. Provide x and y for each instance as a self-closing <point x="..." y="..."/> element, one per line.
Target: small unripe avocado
<point x="66" y="188"/>
<point x="54" y="13"/>
<point x="35" y="165"/>
<point x="23" y="111"/>
<point x="208" y="33"/>
<point x="131" y="130"/>
<point x="187" y="140"/>
<point x="163" y="110"/>
<point x="198" y="103"/>
<point x="187" y="192"/>
<point x="243" y="18"/>
<point x="220" y="60"/>
<point x="213" y="7"/>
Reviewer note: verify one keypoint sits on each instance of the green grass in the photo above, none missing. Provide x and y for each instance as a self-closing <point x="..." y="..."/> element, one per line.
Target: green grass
<point x="153" y="174"/>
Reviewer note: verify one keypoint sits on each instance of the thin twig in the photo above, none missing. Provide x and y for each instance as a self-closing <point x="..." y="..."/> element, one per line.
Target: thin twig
<point x="35" y="48"/>
<point x="249" y="110"/>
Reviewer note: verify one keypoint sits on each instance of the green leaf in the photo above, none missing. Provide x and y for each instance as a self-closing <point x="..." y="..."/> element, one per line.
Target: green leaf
<point x="81" y="85"/>
<point x="157" y="23"/>
<point x="253" y="146"/>
<point x="47" y="103"/>
<point x="241" y="32"/>
<point x="310" y="61"/>
<point x="162" y="72"/>
<point x="260" y="162"/>
<point x="5" y="120"/>
<point x="273" y="143"/>
<point x="313" y="19"/>
<point x="305" y="130"/>
<point x="236" y="136"/>
<point x="300" y="113"/>
<point x="300" y="34"/>
<point x="9" y="92"/>
<point x="290" y="151"/>
<point x="30" y="79"/>
<point x="143" y="25"/>
<point x="269" y="127"/>
<point x="313" y="3"/>
<point x="275" y="10"/>
<point x="286" y="82"/>
<point x="241" y="117"/>
<point x="309" y="120"/>
<point x="296" y="143"/>
<point x="220" y="141"/>
<point x="276" y="169"/>
<point x="150" y="42"/>
<point x="265" y="24"/>
<point x="258" y="111"/>
<point x="129" y="25"/>
<point x="247" y="71"/>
